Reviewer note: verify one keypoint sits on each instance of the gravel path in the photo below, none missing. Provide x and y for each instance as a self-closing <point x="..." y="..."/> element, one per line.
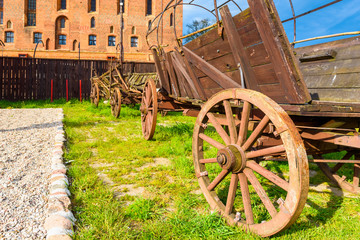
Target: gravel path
<point x="26" y="141"/>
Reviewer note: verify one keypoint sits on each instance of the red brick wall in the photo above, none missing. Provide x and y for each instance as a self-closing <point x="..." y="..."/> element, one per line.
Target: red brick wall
<point x="77" y="28"/>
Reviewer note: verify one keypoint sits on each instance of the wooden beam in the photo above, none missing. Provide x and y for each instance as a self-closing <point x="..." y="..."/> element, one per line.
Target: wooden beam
<point x="238" y="49"/>
<point x="278" y="47"/>
<point x="180" y="65"/>
<point x="219" y="77"/>
<point x="158" y="67"/>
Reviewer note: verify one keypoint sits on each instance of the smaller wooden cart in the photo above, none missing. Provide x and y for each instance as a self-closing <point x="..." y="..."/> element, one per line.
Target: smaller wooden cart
<point x="118" y="88"/>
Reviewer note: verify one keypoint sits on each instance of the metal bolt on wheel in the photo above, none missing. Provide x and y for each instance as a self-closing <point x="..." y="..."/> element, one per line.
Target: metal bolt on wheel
<point x="227" y="159"/>
<point x="149" y="108"/>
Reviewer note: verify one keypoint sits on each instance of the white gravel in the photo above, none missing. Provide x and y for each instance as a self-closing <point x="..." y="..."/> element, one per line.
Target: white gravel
<point x="26" y="141"/>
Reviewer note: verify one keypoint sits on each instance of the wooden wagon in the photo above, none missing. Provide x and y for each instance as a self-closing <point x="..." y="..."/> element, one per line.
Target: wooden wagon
<point x="264" y="111"/>
<point x="119" y="88"/>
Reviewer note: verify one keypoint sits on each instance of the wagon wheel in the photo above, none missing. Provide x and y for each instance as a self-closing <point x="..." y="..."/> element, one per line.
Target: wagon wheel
<point x="335" y="175"/>
<point x="115" y="102"/>
<point x="218" y="154"/>
<point x="149" y="108"/>
<point x="95" y="94"/>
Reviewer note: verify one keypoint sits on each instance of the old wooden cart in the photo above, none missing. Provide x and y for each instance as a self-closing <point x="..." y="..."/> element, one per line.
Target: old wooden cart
<point x="263" y="113"/>
<point x="118" y="87"/>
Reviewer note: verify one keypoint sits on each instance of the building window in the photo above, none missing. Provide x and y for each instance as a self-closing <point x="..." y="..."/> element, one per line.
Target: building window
<point x="111" y="41"/>
<point x="149" y="25"/>
<point x="62" y="39"/>
<point x="92" y="22"/>
<point x="92" y="40"/>
<point x="92" y="5"/>
<point x="111" y="29"/>
<point x="121" y="4"/>
<point x="148" y="7"/>
<point x="9" y="37"/>
<point x="133" y="30"/>
<point x="134" y="41"/>
<point x="47" y="45"/>
<point x="62" y="23"/>
<point x="9" y="24"/>
<point x="37" y="37"/>
<point x="61" y="4"/>
<point x="31" y="13"/>
<point x="1" y="12"/>
<point x="171" y="19"/>
<point x="74" y="45"/>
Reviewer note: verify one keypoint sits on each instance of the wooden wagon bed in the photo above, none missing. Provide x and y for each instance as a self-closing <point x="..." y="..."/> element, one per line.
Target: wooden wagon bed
<point x="309" y="83"/>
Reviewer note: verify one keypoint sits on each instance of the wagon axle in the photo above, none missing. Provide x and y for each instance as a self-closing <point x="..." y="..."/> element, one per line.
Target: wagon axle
<point x="231" y="158"/>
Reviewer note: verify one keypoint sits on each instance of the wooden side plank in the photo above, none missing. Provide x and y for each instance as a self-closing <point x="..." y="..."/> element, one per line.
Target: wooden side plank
<point x="274" y="38"/>
<point x="178" y="60"/>
<point x="193" y="76"/>
<point x="237" y="49"/>
<point x="223" y="80"/>
<point x="174" y="87"/>
<point x="350" y="95"/>
<point x="339" y="81"/>
<point x="159" y="69"/>
<point x="348" y="48"/>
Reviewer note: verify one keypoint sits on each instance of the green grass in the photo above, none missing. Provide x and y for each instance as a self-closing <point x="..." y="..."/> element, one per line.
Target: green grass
<point x="169" y="207"/>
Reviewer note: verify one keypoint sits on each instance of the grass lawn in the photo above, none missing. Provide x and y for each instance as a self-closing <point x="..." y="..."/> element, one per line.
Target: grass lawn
<point x="168" y="203"/>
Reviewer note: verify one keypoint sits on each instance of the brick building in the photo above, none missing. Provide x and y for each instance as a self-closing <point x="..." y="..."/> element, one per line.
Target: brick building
<point x="95" y="24"/>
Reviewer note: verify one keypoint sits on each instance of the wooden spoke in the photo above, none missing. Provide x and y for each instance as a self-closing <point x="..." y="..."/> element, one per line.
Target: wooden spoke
<point x="148" y="119"/>
<point x="116" y="102"/>
<point x="211" y="141"/>
<point x="256" y="133"/>
<point x="246" y="198"/>
<point x="208" y="160"/>
<point x="265" y="152"/>
<point x="245" y="114"/>
<point x="230" y="121"/>
<point x="231" y="194"/>
<point x="268" y="174"/>
<point x="260" y="191"/>
<point x="219" y="128"/>
<point x="356" y="175"/>
<point x="150" y="101"/>
<point x="148" y="96"/>
<point x="95" y="94"/>
<point x="217" y="180"/>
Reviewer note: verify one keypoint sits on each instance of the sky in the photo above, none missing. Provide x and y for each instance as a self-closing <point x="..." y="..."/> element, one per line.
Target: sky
<point x="340" y="17"/>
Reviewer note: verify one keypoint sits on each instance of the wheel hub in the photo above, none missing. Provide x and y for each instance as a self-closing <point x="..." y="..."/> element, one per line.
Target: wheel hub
<point x="231" y="158"/>
<point x="144" y="109"/>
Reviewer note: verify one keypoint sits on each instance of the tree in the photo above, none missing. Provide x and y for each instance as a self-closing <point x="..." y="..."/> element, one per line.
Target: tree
<point x="196" y="26"/>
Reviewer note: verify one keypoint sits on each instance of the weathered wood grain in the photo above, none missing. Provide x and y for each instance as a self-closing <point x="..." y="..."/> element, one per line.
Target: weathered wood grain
<point x="276" y="43"/>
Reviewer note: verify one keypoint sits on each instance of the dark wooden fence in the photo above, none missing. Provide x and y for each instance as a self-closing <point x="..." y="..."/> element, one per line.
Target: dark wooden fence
<point x="30" y="79"/>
